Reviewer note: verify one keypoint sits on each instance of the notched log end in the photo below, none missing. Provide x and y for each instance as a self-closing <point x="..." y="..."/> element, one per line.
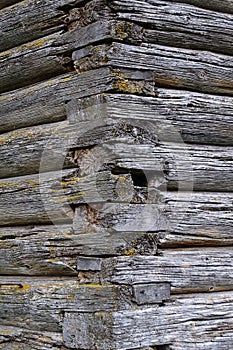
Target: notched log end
<point x="153" y="293"/>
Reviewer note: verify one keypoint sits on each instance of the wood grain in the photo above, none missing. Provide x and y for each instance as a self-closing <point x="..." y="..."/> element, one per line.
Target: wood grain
<point x="40" y="303"/>
<point x="47" y="197"/>
<point x="188" y="270"/>
<point x="24" y="339"/>
<point x="179" y="164"/>
<point x="45" y="102"/>
<point x="193" y="116"/>
<point x="23" y="254"/>
<point x="190" y="321"/>
<point x="197" y="214"/>
<point x="167" y="22"/>
<point x="169" y="66"/>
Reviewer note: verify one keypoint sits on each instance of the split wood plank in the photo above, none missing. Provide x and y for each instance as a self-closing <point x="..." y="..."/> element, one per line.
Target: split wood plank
<point x="187" y="270"/>
<point x="194" y="117"/>
<point x="30" y="20"/>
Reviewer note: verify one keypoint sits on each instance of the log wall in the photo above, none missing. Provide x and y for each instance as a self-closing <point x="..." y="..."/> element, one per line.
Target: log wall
<point x="116" y="146"/>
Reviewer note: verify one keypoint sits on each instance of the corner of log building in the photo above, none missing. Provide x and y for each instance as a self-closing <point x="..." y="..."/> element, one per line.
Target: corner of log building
<point x="116" y="149"/>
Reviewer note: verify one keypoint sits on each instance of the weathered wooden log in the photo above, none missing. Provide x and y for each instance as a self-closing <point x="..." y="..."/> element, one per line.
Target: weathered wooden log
<point x="30" y="63"/>
<point x="189" y="270"/>
<point x="217" y="5"/>
<point x="27" y="21"/>
<point x="174" y="165"/>
<point x="172" y="24"/>
<point x="194" y="164"/>
<point x="51" y="55"/>
<point x="193" y="116"/>
<point x="169" y="66"/>
<point x="40" y="302"/>
<point x="45" y="102"/>
<point x="192" y="321"/>
<point x="199" y="214"/>
<point x="24" y="339"/>
<point x="47" y="197"/>
<point x="23" y="254"/>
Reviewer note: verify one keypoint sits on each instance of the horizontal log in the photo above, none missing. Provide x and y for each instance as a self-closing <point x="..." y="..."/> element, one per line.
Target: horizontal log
<point x="45" y="198"/>
<point x="23" y="254"/>
<point x="174" y="165"/>
<point x="187" y="270"/>
<point x="197" y="214"/>
<point x="40" y="302"/>
<point x="172" y="23"/>
<point x="189" y="116"/>
<point x="197" y="165"/>
<point x="45" y="102"/>
<point x="51" y="55"/>
<point x="169" y="66"/>
<point x="30" y="63"/>
<point x="27" y="21"/>
<point x="24" y="339"/>
<point x="192" y="321"/>
<point x="217" y="5"/>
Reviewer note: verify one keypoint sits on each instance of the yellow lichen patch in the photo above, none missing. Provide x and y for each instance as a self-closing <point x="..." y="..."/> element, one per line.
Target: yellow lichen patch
<point x="130" y="252"/>
<point x="120" y="30"/>
<point x="25" y="133"/>
<point x="70" y="182"/>
<point x="5" y="331"/>
<point x="70" y="297"/>
<point x="24" y="286"/>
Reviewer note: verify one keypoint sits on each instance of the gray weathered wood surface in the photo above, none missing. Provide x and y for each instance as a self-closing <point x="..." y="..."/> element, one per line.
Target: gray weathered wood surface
<point x="217" y="5"/>
<point x="195" y="117"/>
<point x="23" y="254"/>
<point x="189" y="270"/>
<point x="45" y="102"/>
<point x="196" y="321"/>
<point x="172" y="23"/>
<point x="185" y="214"/>
<point x="42" y="198"/>
<point x="40" y="303"/>
<point x="169" y="66"/>
<point x="23" y="339"/>
<point x="109" y="91"/>
<point x="200" y="164"/>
